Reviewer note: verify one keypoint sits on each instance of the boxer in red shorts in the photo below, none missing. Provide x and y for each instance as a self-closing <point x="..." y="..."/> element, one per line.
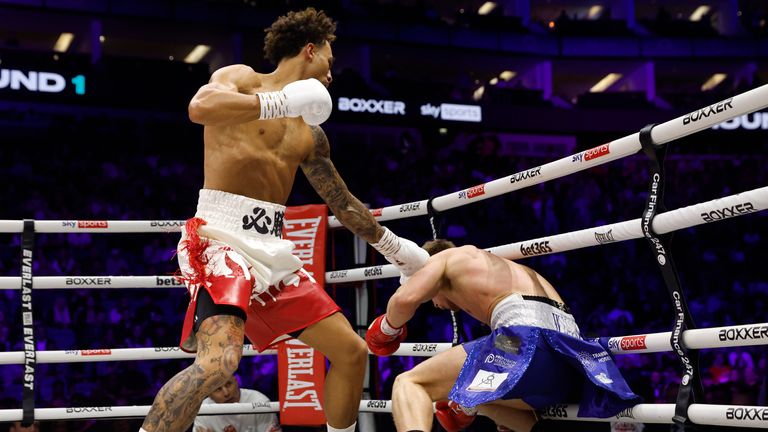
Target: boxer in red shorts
<point x="242" y="278"/>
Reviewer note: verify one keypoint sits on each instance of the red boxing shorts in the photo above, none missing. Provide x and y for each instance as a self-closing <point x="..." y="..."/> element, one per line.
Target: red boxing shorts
<point x="232" y="249"/>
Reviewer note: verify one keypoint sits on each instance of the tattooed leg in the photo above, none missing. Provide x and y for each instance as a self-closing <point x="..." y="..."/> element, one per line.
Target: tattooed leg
<point x="219" y="348"/>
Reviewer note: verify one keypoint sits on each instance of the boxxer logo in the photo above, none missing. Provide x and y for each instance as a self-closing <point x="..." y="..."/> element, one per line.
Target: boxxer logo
<point x="373" y="106"/>
<point x="746" y="413"/>
<point x="728" y="212"/>
<point x="708" y="111"/>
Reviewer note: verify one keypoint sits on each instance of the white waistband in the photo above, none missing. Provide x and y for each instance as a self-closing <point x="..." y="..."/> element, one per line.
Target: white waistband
<point x="240" y="214"/>
<point x="515" y="310"/>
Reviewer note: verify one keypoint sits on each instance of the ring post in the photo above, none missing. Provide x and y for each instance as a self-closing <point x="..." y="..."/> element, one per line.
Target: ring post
<point x="365" y="420"/>
<point x="30" y="356"/>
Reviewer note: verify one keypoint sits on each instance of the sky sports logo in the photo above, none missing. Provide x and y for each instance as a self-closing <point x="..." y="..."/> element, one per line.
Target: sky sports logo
<point x="454" y="112"/>
<point x="38" y="81"/>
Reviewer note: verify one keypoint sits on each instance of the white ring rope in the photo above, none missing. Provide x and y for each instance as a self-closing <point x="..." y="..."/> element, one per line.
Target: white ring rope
<point x="701" y="414"/>
<point x="714" y="337"/>
<point x="671" y="130"/>
<point x="685" y="217"/>
<point x="416" y="349"/>
<point x="94" y="412"/>
<point x="663" y="133"/>
<point x="711" y="211"/>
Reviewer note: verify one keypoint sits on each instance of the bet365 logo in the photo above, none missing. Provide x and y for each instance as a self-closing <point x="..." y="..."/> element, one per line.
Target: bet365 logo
<point x="36" y="81"/>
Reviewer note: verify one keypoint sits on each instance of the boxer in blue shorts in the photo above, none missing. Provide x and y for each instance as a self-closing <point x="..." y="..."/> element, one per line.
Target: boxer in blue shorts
<point x="533" y="358"/>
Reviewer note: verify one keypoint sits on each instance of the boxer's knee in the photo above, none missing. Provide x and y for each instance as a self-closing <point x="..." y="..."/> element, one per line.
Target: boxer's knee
<point x="354" y="354"/>
<point x="220" y="355"/>
<point x="405" y="380"/>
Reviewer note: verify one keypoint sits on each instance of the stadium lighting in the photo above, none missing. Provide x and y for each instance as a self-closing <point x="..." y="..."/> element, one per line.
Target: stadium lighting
<point x="63" y="42"/>
<point x="606" y="82"/>
<point x="507" y="75"/>
<point x="594" y="12"/>
<point x="197" y="53"/>
<point x="478" y="94"/>
<point x="699" y="13"/>
<point x="486" y="8"/>
<point x="713" y="81"/>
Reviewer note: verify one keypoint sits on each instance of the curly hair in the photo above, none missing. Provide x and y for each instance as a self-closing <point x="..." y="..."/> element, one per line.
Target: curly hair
<point x="291" y="32"/>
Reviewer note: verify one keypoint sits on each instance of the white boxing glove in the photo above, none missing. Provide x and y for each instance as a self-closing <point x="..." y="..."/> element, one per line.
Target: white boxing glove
<point x="403" y="253"/>
<point x="307" y="98"/>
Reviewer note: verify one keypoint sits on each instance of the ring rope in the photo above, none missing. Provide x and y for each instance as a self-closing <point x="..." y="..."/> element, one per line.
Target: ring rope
<point x="414" y="349"/>
<point x="702" y="414"/>
<point x="684" y="217"/>
<point x="663" y="133"/>
<point x="94" y="412"/>
<point x="674" y="220"/>
<point x="714" y="337"/>
<point x="736" y="106"/>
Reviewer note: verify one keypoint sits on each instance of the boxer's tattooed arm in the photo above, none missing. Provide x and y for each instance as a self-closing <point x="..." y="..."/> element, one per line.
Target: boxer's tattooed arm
<point x="219" y="348"/>
<point x="322" y="175"/>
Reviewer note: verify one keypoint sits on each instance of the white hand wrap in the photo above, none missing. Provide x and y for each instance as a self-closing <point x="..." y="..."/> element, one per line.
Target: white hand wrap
<point x="403" y="253"/>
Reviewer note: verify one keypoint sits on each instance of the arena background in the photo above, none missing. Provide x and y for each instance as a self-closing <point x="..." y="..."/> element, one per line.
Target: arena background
<point x="116" y="143"/>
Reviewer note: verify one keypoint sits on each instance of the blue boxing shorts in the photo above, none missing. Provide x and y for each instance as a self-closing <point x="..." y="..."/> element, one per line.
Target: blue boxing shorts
<point x="536" y="353"/>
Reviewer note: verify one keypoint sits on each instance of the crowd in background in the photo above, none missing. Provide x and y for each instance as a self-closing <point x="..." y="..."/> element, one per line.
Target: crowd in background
<point x="122" y="169"/>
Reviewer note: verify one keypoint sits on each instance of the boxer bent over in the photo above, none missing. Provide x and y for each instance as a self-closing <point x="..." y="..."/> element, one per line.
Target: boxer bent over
<point x="241" y="276"/>
<point x="534" y="357"/>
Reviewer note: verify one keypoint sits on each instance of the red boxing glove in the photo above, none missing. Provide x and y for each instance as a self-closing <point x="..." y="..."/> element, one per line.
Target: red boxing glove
<point x="381" y="343"/>
<point x="452" y="417"/>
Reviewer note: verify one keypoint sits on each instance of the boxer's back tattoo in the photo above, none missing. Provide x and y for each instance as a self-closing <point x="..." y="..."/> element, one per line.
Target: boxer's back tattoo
<point x="322" y="175"/>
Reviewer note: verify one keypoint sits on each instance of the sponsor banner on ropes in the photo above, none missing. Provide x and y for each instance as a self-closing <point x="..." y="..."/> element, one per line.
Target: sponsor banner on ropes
<point x="306" y="226"/>
<point x="301" y="377"/>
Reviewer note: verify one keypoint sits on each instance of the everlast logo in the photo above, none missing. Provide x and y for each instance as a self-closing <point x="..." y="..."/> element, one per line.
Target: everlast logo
<point x="373" y="271"/>
<point x="420" y="347"/>
<point x="596" y="152"/>
<point x="88" y="409"/>
<point x="744" y="333"/>
<point x="745" y="413"/>
<point x="376" y="212"/>
<point x="166" y="224"/>
<point x="531" y="173"/>
<point x="708" y="111"/>
<point x="338" y="274"/>
<point x="630" y="343"/>
<point x="92" y="224"/>
<point x="88" y="281"/>
<point x="377" y="404"/>
<point x="606" y="237"/>
<point x="728" y="212"/>
<point x="536" y="248"/>
<point x="558" y="411"/>
<point x="168" y="281"/>
<point x="298" y="392"/>
<point x="410" y="207"/>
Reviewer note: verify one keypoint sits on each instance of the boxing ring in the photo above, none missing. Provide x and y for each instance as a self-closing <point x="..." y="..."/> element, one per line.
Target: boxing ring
<point x="723" y="208"/>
